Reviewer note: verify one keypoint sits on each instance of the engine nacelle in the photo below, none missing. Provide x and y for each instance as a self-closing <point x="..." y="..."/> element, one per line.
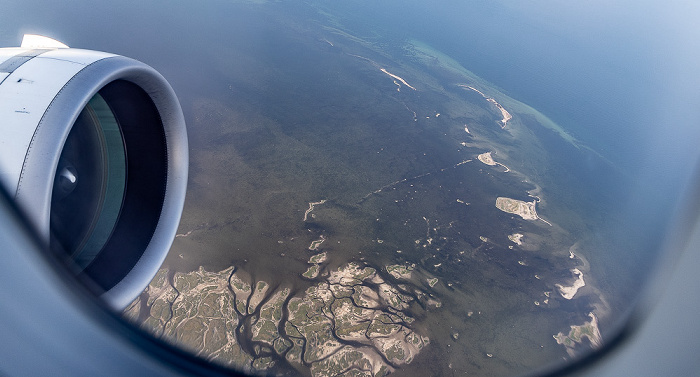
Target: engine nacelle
<point x="93" y="147"/>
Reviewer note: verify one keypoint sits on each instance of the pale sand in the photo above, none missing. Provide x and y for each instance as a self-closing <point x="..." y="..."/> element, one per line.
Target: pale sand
<point x="506" y="115"/>
<point x="474" y="89"/>
<point x="516" y="237"/>
<point x="397" y="78"/>
<point x="569" y="292"/>
<point x="526" y="210"/>
<point x="488" y="160"/>
<point x="504" y="112"/>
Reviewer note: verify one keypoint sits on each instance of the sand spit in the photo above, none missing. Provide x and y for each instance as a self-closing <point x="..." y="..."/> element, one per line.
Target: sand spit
<point x="506" y="115"/>
<point x="397" y="78"/>
<point x="577" y="333"/>
<point x="393" y="76"/>
<point x="474" y="89"/>
<point x="504" y="112"/>
<point x="311" y="208"/>
<point x="488" y="160"/>
<point x="569" y="292"/>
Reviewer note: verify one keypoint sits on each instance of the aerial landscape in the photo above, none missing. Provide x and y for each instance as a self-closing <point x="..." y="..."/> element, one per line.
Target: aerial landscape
<point x="380" y="209"/>
<point x="407" y="188"/>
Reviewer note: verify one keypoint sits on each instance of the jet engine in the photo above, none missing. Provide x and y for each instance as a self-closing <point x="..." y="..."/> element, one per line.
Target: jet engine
<point x="94" y="151"/>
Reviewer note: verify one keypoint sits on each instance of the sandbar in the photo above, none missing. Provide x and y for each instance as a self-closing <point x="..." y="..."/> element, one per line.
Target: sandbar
<point x="506" y="115"/>
<point x="397" y="78"/>
<point x="569" y="292"/>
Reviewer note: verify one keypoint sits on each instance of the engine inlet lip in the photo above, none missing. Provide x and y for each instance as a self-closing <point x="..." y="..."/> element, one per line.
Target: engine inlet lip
<point x="41" y="160"/>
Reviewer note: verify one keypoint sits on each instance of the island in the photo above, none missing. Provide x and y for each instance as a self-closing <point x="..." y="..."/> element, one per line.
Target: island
<point x="400" y="271"/>
<point x="578" y="332"/>
<point x="318" y="258"/>
<point x="526" y="210"/>
<point x="312" y="272"/>
<point x="315" y="244"/>
<point x="570" y="291"/>
<point x="516" y="237"/>
<point x="488" y="160"/>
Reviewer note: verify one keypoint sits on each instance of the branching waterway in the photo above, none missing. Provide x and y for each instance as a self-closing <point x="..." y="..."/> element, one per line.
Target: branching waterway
<point x="352" y="320"/>
<point x="357" y="212"/>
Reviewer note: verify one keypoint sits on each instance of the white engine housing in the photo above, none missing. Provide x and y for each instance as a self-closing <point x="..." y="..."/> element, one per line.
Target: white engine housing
<point x="44" y="92"/>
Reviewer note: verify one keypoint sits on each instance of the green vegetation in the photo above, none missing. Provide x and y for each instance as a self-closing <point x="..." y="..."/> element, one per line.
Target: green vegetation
<point x="311" y="272"/>
<point x="208" y="318"/>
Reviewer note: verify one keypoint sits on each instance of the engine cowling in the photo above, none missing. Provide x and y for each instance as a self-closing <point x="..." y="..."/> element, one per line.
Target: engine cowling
<point x="94" y="150"/>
